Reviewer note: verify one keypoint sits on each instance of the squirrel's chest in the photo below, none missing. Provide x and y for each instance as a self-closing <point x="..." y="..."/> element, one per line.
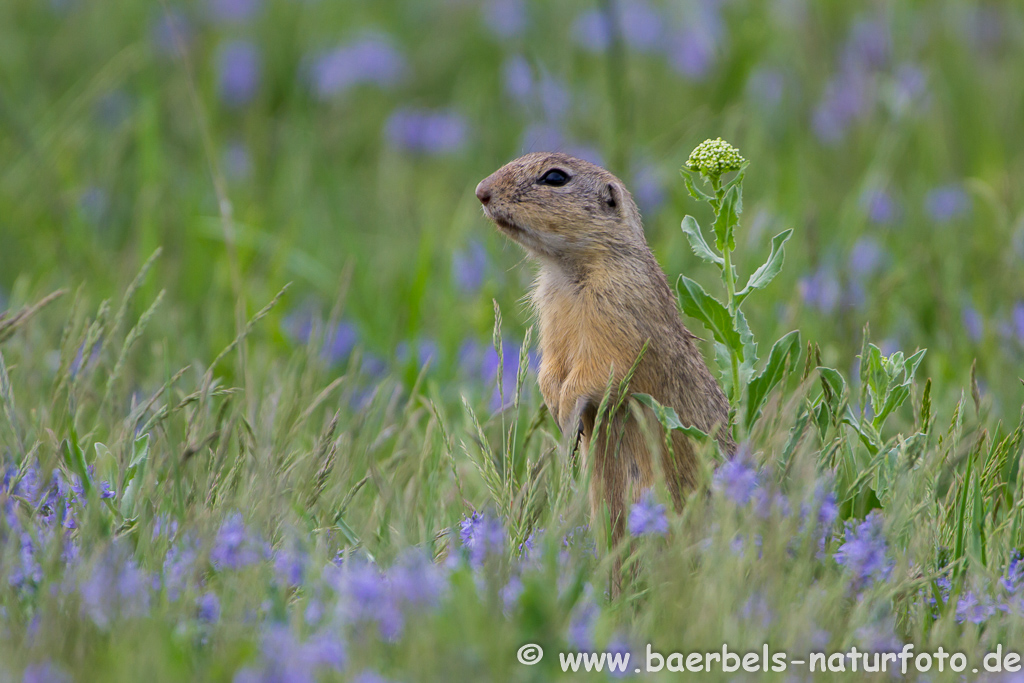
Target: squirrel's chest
<point x="581" y="330"/>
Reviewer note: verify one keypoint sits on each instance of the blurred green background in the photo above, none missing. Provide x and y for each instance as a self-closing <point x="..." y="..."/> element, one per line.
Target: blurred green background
<point x="347" y="138"/>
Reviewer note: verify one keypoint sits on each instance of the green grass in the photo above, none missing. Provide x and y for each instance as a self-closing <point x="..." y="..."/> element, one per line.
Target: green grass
<point x="198" y="402"/>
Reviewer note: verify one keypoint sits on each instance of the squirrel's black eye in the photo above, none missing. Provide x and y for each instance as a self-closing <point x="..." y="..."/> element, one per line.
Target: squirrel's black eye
<point x="555" y="177"/>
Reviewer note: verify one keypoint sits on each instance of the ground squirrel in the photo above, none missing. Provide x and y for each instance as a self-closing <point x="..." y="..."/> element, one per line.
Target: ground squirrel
<point x="600" y="295"/>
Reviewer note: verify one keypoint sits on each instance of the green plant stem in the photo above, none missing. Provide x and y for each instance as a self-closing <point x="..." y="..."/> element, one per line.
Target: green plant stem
<point x="730" y="289"/>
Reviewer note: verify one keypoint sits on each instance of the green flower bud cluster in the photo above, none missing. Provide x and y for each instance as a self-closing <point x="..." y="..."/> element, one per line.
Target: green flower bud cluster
<point x="712" y="158"/>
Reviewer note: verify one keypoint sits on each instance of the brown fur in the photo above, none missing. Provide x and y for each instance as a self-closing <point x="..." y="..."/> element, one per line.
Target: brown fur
<point x="599" y="296"/>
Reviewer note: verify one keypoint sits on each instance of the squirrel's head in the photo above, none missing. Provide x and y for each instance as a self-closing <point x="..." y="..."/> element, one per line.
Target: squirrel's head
<point x="560" y="207"/>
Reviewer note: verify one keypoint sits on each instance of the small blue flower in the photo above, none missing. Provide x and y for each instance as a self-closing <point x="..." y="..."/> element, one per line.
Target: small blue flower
<point x="973" y="323"/>
<point x="970" y="608"/>
<point x="647" y="517"/>
<point x="868" y="45"/>
<point x="424" y="131"/>
<point x="469" y="267"/>
<point x="848" y="97"/>
<point x="45" y="672"/>
<point x="208" y="606"/>
<point x="416" y="580"/>
<point x="233" y="11"/>
<point x="239" y="69"/>
<point x="171" y="29"/>
<point x="517" y="77"/>
<point x="821" y="290"/>
<point x="864" y="553"/>
<point x="506" y="18"/>
<point x="880" y="206"/>
<point x="482" y="535"/>
<point x="236" y="547"/>
<point x="866" y="256"/>
<point x="737" y="478"/>
<point x="947" y="203"/>
<point x="370" y="59"/>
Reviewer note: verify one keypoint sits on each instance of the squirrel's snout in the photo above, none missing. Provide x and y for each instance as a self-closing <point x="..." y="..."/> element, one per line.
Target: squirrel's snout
<point x="483" y="192"/>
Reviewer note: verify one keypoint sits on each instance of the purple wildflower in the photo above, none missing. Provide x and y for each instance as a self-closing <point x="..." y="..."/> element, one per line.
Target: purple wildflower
<point x="868" y="45"/>
<point x="208" y="608"/>
<point x="416" y="580"/>
<point x="647" y="517"/>
<point x="171" y="29"/>
<point x="864" y="551"/>
<point x="371" y="59"/>
<point x="510" y="592"/>
<point x="115" y="587"/>
<point x="970" y="608"/>
<point x="239" y="68"/>
<point x="866" y="256"/>
<point x="505" y="18"/>
<point x="233" y="11"/>
<point x="911" y="83"/>
<point x="482" y="536"/>
<point x="286" y="658"/>
<point x="848" y="97"/>
<point x="649" y="189"/>
<point x="235" y="546"/>
<point x="973" y="323"/>
<point x="821" y="290"/>
<point x="290" y="562"/>
<point x="691" y="52"/>
<point x="368" y="598"/>
<point x="45" y="672"/>
<point x="946" y="203"/>
<point x="469" y="266"/>
<point x="518" y="78"/>
<point x="1013" y="581"/>
<point x="580" y="635"/>
<point x="737" y="477"/>
<point x="424" y="131"/>
<point x="879" y="206"/>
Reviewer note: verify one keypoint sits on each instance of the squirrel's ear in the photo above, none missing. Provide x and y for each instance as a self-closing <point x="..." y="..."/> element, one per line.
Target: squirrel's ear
<point x="610" y="196"/>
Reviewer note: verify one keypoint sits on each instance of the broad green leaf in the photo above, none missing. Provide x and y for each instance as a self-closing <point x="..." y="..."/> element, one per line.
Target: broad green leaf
<point x="133" y="476"/>
<point x="698" y="304"/>
<point x="694" y="191"/>
<point x="748" y="356"/>
<point x="669" y="419"/>
<point x="692" y="231"/>
<point x="726" y="220"/>
<point x="769" y="269"/>
<point x="786" y="349"/>
<point x="74" y="457"/>
<point x="105" y="464"/>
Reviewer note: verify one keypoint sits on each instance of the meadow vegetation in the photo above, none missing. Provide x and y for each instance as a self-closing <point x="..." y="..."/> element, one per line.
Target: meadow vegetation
<point x="268" y="402"/>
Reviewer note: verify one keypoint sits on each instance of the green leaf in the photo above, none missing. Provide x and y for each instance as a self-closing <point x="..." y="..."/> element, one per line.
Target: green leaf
<point x="748" y="355"/>
<point x="727" y="219"/>
<point x="105" y="464"/>
<point x="769" y="269"/>
<point x="669" y="419"/>
<point x="786" y="349"/>
<point x="694" y="191"/>
<point x="692" y="231"/>
<point x="133" y="475"/>
<point x="74" y="458"/>
<point x="698" y="304"/>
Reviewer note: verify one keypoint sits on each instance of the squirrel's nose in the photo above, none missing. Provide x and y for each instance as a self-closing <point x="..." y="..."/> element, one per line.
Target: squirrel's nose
<point x="483" y="192"/>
